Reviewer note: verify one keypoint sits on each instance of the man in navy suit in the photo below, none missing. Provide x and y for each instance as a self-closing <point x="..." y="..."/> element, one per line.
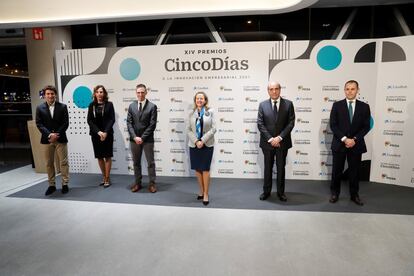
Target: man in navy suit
<point x="141" y="123"/>
<point x="349" y="122"/>
<point x="52" y="119"/>
<point x="275" y="121"/>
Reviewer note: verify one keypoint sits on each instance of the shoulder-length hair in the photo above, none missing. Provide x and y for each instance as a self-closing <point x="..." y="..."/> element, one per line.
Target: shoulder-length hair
<point x="95" y="89"/>
<point x="205" y="97"/>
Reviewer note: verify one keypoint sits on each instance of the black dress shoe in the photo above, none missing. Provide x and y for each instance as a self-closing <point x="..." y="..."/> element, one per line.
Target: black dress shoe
<point x="199" y="197"/>
<point x="206" y="202"/>
<point x="333" y="199"/>
<point x="282" y="197"/>
<point x="357" y="200"/>
<point x="50" y="190"/>
<point x="65" y="189"/>
<point x="264" y="196"/>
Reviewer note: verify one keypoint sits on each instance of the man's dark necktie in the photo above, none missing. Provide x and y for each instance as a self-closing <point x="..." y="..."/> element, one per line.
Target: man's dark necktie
<point x="350" y="111"/>
<point x="275" y="109"/>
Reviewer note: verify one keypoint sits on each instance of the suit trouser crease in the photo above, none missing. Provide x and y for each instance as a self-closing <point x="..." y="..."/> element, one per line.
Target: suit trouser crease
<point x="269" y="158"/>
<point x="61" y="151"/>
<point x="354" y="163"/>
<point x="136" y="151"/>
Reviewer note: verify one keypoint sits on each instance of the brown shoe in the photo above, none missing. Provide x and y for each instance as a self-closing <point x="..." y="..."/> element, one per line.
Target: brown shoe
<point x="135" y="188"/>
<point x="152" y="188"/>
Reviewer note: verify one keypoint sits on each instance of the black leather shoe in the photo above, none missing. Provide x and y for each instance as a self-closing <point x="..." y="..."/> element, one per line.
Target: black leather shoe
<point x="333" y="199"/>
<point x="206" y="202"/>
<point x="199" y="197"/>
<point x="264" y="196"/>
<point x="357" y="200"/>
<point x="282" y="197"/>
<point x="50" y="190"/>
<point x="65" y="189"/>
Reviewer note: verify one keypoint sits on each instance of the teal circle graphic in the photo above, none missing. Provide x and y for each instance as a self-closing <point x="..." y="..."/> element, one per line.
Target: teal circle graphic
<point x="329" y="57"/>
<point x="82" y="97"/>
<point x="130" y="69"/>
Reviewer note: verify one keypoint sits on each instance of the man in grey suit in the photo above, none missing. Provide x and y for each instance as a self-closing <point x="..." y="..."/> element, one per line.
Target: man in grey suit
<point x="275" y="121"/>
<point x="141" y="123"/>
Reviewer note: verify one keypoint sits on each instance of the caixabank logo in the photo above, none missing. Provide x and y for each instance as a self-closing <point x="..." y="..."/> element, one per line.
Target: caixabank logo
<point x="303" y="99"/>
<point x="302" y="131"/>
<point x="249" y="109"/>
<point x="250" y="163"/>
<point x="390" y="121"/>
<point x="226" y="99"/>
<point x="177" y="161"/>
<point x="327" y="132"/>
<point x="250" y="141"/>
<point x="391" y="155"/>
<point x="250" y="172"/>
<point x="225" y="161"/>
<point x="225" y="130"/>
<point x="396" y="86"/>
<point x="325" y="142"/>
<point x="300" y="162"/>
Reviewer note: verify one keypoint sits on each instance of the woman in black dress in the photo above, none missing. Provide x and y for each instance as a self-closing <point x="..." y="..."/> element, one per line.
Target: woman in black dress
<point x="200" y="131"/>
<point x="101" y="118"/>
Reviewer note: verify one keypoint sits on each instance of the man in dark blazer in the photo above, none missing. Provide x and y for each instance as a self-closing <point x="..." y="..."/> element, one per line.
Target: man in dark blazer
<point x="349" y="122"/>
<point x="52" y="119"/>
<point x="141" y="122"/>
<point x="275" y="121"/>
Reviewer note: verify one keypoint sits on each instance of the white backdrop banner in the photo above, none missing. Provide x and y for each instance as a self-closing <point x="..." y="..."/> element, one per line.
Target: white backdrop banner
<point x="235" y="77"/>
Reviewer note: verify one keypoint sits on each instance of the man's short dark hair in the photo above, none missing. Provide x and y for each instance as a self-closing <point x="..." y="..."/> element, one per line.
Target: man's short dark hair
<point x="49" y="87"/>
<point x="141" y="86"/>
<point x="352" y="81"/>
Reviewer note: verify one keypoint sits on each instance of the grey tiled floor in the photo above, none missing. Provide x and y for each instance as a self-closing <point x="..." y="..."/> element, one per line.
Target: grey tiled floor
<point x="56" y="237"/>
